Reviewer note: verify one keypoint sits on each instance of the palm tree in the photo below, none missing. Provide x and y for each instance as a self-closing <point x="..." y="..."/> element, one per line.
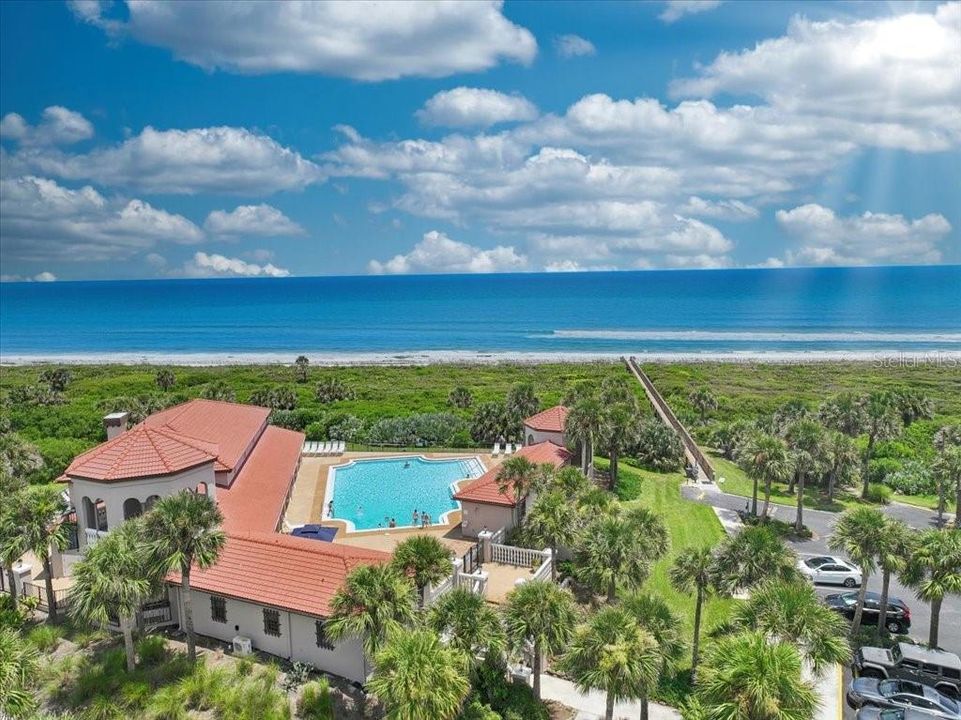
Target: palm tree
<point x="113" y="581"/>
<point x="542" y="614"/>
<point x="424" y="559"/>
<point x="934" y="570"/>
<point x="165" y="379"/>
<point x="416" y="676"/>
<point x="913" y="405"/>
<point x="19" y="664"/>
<point x="18" y="458"/>
<point x="693" y="571"/>
<point x="844" y="413"/>
<point x="728" y="437"/>
<point x="42" y="529"/>
<point x="792" y="612"/>
<point x="460" y="397"/>
<point x="947" y="435"/>
<point x="897" y="544"/>
<point x="617" y="432"/>
<point x="654" y="616"/>
<point x="514" y="478"/>
<point x="302" y="367"/>
<point x="842" y="461"/>
<point x="13" y="544"/>
<point x="582" y="426"/>
<point x="702" y="400"/>
<point x="859" y="533"/>
<point x="806" y="440"/>
<point x="748" y="677"/>
<point x="947" y="470"/>
<point x="610" y="652"/>
<point x="184" y="531"/>
<point x="882" y="422"/>
<point x="765" y="458"/>
<point x="469" y="622"/>
<point x="621" y="547"/>
<point x="521" y="402"/>
<point x="754" y="555"/>
<point x="552" y="521"/>
<point x="374" y="601"/>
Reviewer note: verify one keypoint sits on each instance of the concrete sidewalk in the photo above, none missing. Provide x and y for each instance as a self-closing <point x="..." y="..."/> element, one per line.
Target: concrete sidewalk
<point x="591" y="706"/>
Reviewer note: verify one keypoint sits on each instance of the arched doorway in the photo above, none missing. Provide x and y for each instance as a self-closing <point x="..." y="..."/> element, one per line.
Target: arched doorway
<point x="132" y="508"/>
<point x="89" y="513"/>
<point x="148" y="505"/>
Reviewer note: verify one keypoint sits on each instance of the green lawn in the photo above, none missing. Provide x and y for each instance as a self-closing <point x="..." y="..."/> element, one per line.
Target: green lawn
<point x="690" y="524"/>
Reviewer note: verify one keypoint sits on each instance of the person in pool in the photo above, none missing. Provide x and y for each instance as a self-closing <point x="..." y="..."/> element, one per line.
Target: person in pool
<point x="406" y="465"/>
<point x="392" y="523"/>
<point x="415" y="518"/>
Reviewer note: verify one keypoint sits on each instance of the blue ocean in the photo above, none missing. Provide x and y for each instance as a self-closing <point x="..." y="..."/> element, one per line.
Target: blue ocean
<point x="785" y="313"/>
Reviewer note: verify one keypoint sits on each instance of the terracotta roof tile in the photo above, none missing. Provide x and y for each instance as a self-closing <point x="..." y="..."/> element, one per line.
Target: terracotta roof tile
<point x="485" y="490"/>
<point x="281" y="571"/>
<point x="550" y="420"/>
<point x="141" y="452"/>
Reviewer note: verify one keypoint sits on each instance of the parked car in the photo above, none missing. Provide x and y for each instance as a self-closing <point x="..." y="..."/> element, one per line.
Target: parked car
<point x="902" y="694"/>
<point x="828" y="570"/>
<point x="873" y="712"/>
<point x="937" y="668"/>
<point x="898" y="619"/>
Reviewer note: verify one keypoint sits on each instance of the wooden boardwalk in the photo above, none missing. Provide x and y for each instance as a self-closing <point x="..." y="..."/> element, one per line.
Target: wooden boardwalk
<point x="694" y="455"/>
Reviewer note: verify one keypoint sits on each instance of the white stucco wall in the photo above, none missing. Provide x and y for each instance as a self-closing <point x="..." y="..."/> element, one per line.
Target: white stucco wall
<point x="297" y="641"/>
<point x="532" y="436"/>
<point x="475" y="516"/>
<point x="115" y="493"/>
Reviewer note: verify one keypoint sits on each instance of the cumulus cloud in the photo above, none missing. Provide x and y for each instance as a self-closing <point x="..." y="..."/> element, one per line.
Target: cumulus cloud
<point x="58" y="125"/>
<point x="568" y="46"/>
<point x="44" y="276"/>
<point x="475" y="107"/>
<point x="870" y="238"/>
<point x="227" y="160"/>
<point x="890" y="81"/>
<point x="212" y="265"/>
<point x="674" y="10"/>
<point x="260" y="219"/>
<point x="437" y="253"/>
<point x="364" y="40"/>
<point x="41" y="220"/>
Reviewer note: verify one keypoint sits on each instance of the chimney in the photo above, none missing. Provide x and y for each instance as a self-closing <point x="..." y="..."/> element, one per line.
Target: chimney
<point x="115" y="424"/>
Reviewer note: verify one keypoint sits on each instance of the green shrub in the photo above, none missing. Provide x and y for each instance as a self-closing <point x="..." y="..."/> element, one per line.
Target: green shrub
<point x="316" y="431"/>
<point x="152" y="650"/>
<point x="45" y="637"/>
<point x="203" y="688"/>
<point x="167" y="704"/>
<point x="508" y="699"/>
<point x="103" y="708"/>
<point x="244" y="666"/>
<point x="315" y="702"/>
<point x="880" y="468"/>
<point x="913" y="478"/>
<point x="658" y="447"/>
<point x="476" y="710"/>
<point x="878" y="493"/>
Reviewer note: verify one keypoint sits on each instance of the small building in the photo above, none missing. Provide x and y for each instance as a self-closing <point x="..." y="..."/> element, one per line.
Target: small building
<point x="485" y="507"/>
<point x="546" y="426"/>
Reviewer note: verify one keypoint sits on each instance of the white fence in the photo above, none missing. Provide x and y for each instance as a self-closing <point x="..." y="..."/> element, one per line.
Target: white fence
<point x="432" y="593"/>
<point x="544" y="571"/>
<point x="94" y="535"/>
<point x="519" y="557"/>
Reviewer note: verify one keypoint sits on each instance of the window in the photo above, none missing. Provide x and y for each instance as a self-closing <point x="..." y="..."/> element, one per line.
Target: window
<point x="953" y="673"/>
<point x="218" y="609"/>
<point x="321" y="632"/>
<point x="272" y="622"/>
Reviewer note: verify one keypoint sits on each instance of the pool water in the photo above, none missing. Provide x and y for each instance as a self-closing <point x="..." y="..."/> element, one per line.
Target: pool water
<point x="368" y="493"/>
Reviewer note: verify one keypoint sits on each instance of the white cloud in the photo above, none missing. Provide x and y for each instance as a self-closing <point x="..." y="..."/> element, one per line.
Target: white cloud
<point x="891" y="81"/>
<point x="437" y="253"/>
<point x="156" y="260"/>
<point x="58" y="125"/>
<point x="44" y="276"/>
<point x="212" y="265"/>
<point x="871" y="238"/>
<point x="260" y="219"/>
<point x="569" y="46"/>
<point x="475" y="107"/>
<point x="732" y="210"/>
<point x="225" y="160"/>
<point x="41" y="220"/>
<point x="674" y="10"/>
<point x="361" y="40"/>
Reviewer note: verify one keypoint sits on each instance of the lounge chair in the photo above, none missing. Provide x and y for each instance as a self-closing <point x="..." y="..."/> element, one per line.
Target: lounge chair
<point x="497" y="449"/>
<point x="338" y="447"/>
<point x="324" y="449"/>
<point x="508" y="449"/>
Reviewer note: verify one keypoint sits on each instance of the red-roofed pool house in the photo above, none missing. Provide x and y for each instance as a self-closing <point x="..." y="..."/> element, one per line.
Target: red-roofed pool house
<point x="546" y="426"/>
<point x="269" y="588"/>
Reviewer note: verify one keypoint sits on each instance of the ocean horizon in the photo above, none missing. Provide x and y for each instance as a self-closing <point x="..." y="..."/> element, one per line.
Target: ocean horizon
<point x="790" y="314"/>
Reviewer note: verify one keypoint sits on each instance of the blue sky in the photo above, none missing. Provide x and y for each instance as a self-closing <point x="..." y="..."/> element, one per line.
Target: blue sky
<point x="208" y="139"/>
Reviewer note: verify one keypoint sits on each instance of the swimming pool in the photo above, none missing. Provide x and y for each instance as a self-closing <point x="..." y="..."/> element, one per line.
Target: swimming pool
<point x="368" y="493"/>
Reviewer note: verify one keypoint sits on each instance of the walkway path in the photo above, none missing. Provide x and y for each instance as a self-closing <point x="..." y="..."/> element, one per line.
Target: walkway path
<point x="592" y="705"/>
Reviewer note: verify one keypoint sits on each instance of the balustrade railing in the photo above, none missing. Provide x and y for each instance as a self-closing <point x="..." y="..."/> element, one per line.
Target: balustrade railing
<point x="519" y="557"/>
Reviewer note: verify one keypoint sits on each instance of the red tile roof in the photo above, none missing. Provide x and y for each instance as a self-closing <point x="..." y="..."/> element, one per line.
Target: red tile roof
<point x="141" y="452"/>
<point x="485" y="490"/>
<point x="550" y="420"/>
<point x="281" y="571"/>
<point x="231" y="427"/>
<point x="256" y="499"/>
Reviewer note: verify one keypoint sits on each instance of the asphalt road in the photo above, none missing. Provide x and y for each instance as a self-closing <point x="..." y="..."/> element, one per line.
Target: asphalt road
<point x="821" y="524"/>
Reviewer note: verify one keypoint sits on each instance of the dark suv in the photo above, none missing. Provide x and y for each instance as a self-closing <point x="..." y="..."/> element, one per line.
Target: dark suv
<point x="899" y="615"/>
<point x="937" y="668"/>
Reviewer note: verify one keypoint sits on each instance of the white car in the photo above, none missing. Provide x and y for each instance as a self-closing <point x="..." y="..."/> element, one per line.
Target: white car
<point x="829" y="570"/>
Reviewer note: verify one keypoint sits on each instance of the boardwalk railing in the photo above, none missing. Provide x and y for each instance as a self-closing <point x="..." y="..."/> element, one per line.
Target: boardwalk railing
<point x="519" y="557"/>
<point x="694" y="454"/>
